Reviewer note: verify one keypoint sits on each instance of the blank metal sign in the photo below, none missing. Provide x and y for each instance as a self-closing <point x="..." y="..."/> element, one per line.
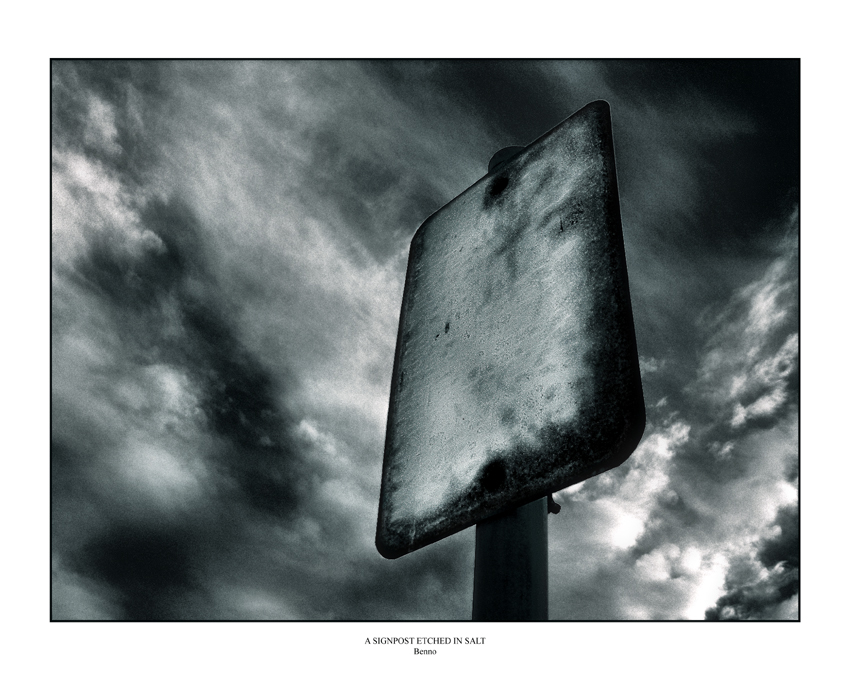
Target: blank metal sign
<point x="516" y="370"/>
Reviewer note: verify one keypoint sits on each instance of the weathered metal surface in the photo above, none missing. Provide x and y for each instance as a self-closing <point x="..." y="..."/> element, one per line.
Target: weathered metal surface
<point x="516" y="370"/>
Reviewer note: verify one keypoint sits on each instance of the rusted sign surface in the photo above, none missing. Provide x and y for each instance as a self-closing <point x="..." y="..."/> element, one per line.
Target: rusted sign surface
<point x="516" y="371"/>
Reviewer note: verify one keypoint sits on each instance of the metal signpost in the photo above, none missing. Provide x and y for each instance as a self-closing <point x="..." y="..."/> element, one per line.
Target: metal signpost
<point x="516" y="370"/>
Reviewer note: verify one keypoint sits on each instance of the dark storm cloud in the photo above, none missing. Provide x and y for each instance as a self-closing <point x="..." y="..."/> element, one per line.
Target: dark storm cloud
<point x="229" y="248"/>
<point x="512" y="99"/>
<point x="376" y="196"/>
<point x="433" y="585"/>
<point x="149" y="566"/>
<point x="164" y="304"/>
<point x="784" y="548"/>
<point x="151" y="282"/>
<point x="751" y="178"/>
<point x="754" y="593"/>
<point x="238" y="400"/>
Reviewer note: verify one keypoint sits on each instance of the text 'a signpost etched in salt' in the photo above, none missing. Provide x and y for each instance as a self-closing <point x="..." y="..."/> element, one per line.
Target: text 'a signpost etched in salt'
<point x="516" y="370"/>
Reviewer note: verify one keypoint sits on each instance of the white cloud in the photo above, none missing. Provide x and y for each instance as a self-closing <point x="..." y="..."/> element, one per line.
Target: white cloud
<point x="769" y="374"/>
<point x="707" y="587"/>
<point x="89" y="199"/>
<point x="165" y="478"/>
<point x="76" y="598"/>
<point x="651" y="364"/>
<point x="101" y="131"/>
<point x="628" y="501"/>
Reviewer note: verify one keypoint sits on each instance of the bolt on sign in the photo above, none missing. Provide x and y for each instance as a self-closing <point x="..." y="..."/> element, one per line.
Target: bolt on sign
<point x="516" y="369"/>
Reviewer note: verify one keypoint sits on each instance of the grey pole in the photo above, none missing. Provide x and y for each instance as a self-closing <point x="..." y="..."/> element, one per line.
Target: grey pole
<point x="511" y="580"/>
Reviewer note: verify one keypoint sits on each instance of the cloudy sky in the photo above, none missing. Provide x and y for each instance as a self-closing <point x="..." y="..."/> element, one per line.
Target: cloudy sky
<point x="229" y="242"/>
